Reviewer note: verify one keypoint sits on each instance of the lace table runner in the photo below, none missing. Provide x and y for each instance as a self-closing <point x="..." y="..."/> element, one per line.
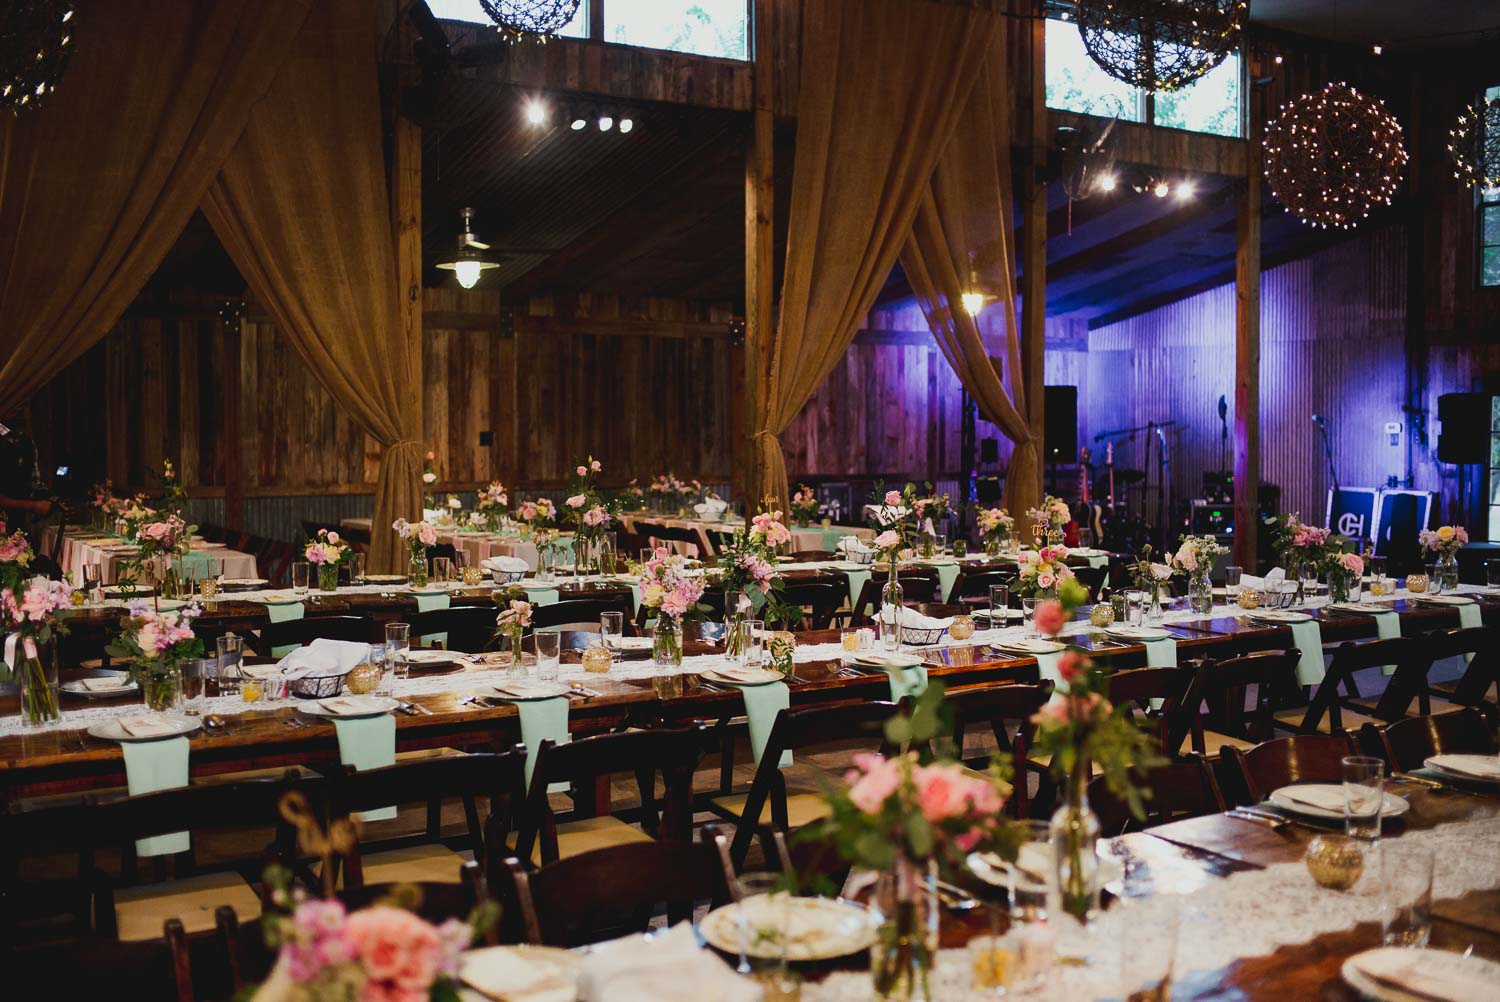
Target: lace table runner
<point x="1265" y="909"/>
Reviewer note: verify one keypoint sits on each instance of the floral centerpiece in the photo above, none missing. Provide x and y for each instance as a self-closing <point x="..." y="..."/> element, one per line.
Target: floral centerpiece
<point x="491" y="505"/>
<point x="106" y="506"/>
<point x="28" y="607"/>
<point x="1076" y="727"/>
<point x="132" y="515"/>
<point x="1196" y="556"/>
<point x="1151" y="577"/>
<point x="632" y="498"/>
<point x="893" y="517"/>
<point x="155" y="644"/>
<point x="1345" y="577"/>
<point x="1043" y="571"/>
<point x="453" y="508"/>
<point x="429" y="476"/>
<point x="173" y="494"/>
<point x="1301" y="546"/>
<point x="418" y="536"/>
<point x="591" y="518"/>
<point x="1048" y="519"/>
<point x="511" y="621"/>
<point x="667" y="493"/>
<point x="907" y="817"/>
<point x="805" y="505"/>
<point x="747" y="573"/>
<point x="930" y="512"/>
<point x="159" y="542"/>
<point x="328" y="552"/>
<point x="667" y="588"/>
<point x="1445" y="541"/>
<point x="995" y="528"/>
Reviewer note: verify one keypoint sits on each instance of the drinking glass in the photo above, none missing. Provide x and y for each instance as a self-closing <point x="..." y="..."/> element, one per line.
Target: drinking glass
<point x="763" y="913"/>
<point x="231" y="654"/>
<point x="1376" y="566"/>
<point x="1309" y="583"/>
<point x="442" y="568"/>
<point x="755" y="642"/>
<point x="1405" y="893"/>
<point x="195" y="676"/>
<point x="1364" y="792"/>
<point x="546" y="560"/>
<point x="647" y="553"/>
<point x="942" y="541"/>
<point x="999" y="604"/>
<point x="1232" y="582"/>
<point x="377" y="657"/>
<point x="1144" y="951"/>
<point x="548" y="652"/>
<point x="358" y="566"/>
<point x="1028" y="615"/>
<point x="1119" y="605"/>
<point x="1032" y="874"/>
<point x="611" y="627"/>
<point x="1085" y="538"/>
<point x="1137" y="607"/>
<point x="850" y="639"/>
<point x="1434" y="579"/>
<point x="397" y="644"/>
<point x="300" y="570"/>
<point x="1492" y="574"/>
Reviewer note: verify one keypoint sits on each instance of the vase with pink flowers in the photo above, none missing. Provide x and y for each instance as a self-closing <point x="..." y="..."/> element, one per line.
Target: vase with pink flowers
<point x="418" y="536"/>
<point x="29" y="608"/>
<point x="667" y="589"/>
<point x="1196" y="556"/>
<point x="328" y="552"/>
<point x="155" y="644"/>
<point x="1345" y="576"/>
<point x="1446" y="541"/>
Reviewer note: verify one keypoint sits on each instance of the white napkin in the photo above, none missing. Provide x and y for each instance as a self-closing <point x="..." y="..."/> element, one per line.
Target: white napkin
<point x="1436" y="974"/>
<point x="911" y="619"/>
<point x="628" y="643"/>
<point x="1329" y="798"/>
<point x="1478" y="766"/>
<point x="507" y="974"/>
<point x="852" y="544"/>
<point x="740" y="673"/>
<point x="1275" y="576"/>
<point x="323" y="657"/>
<point x="146" y="727"/>
<point x="109" y="682"/>
<point x="505" y="565"/>
<point x="668" y="967"/>
<point x="712" y="506"/>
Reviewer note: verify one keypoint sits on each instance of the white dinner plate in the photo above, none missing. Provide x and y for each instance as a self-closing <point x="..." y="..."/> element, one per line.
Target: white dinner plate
<point x="815" y="928"/>
<point x="742" y="676"/>
<point x="280" y="598"/>
<point x="1465" y="767"/>
<point x="244" y="583"/>
<point x="629" y="643"/>
<point x="429" y="590"/>
<point x="1392" y="807"/>
<point x="1439" y="974"/>
<point x="348" y="707"/>
<point x="1358" y="609"/>
<point x="894" y="659"/>
<point x="1141" y="633"/>
<point x="380" y="579"/>
<point x="1029" y="645"/>
<point x="529" y="973"/>
<point x="1035" y="859"/>
<point x="522" y="690"/>
<point x="77" y="688"/>
<point x="1279" y="616"/>
<point x="1441" y="599"/>
<point x="427" y="657"/>
<point x="539" y="586"/>
<point x="1005" y="614"/>
<point x="849" y="565"/>
<point x="113" y="730"/>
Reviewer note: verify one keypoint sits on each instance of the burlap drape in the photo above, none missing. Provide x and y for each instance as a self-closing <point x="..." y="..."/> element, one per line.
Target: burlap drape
<point x="97" y="184"/>
<point x="882" y="89"/>
<point x="302" y="207"/>
<point x="964" y="219"/>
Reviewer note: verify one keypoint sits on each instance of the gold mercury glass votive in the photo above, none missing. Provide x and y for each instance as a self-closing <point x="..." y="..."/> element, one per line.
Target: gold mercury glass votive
<point x="208" y="588"/>
<point x="1248" y="598"/>
<point x="364" y="678"/>
<point x="1335" y="861"/>
<point x="597" y="659"/>
<point x="473" y="576"/>
<point x="962" y="627"/>
<point x="1416" y="583"/>
<point x="1101" y="615"/>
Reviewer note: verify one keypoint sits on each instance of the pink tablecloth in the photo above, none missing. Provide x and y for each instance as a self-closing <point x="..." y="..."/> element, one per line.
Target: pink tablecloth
<point x="476" y="546"/>
<point x="110" y="555"/>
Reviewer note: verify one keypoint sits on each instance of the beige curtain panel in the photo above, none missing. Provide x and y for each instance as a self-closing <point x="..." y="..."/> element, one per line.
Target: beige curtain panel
<point x="961" y="240"/>
<point x="97" y="183"/>
<point x="874" y="114"/>
<point x="303" y="209"/>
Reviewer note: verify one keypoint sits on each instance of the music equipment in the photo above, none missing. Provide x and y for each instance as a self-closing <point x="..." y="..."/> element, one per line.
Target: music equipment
<point x="1401" y="515"/>
<point x="1322" y="423"/>
<point x="1351" y="511"/>
<point x="1218" y="487"/>
<point x="1465" y="435"/>
<point x="1087" y="514"/>
<point x="989" y="450"/>
<point x="1060" y="429"/>
<point x="1211" y="518"/>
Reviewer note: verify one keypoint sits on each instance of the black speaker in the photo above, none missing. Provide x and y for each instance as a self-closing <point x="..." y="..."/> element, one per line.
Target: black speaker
<point x="1060" y="441"/>
<point x="989" y="450"/>
<point x="1465" y="437"/>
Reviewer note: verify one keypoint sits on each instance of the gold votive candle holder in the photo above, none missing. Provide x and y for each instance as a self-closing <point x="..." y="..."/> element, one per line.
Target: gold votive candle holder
<point x="962" y="627"/>
<point x="365" y="678"/>
<point x="1416" y="583"/>
<point x="597" y="659"/>
<point x="1335" y="861"/>
<point x="1101" y="615"/>
<point x="473" y="576"/>
<point x="1248" y="598"/>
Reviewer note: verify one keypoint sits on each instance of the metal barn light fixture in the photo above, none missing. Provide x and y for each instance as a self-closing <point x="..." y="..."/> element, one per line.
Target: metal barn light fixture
<point x="36" y="39"/>
<point x="1160" y="44"/>
<point x="470" y="261"/>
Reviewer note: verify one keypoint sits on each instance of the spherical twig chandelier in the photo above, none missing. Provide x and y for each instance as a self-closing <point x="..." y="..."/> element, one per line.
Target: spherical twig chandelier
<point x="1160" y="44"/>
<point x="1333" y="155"/>
<point x="36" y="39"/>
<point x="522" y="19"/>
<point x="1474" y="145"/>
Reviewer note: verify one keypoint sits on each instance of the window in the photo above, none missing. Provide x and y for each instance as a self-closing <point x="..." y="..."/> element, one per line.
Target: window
<point x="1489" y="220"/>
<point x="1076" y="83"/>
<point x="705" y="27"/>
<point x="469" y="10"/>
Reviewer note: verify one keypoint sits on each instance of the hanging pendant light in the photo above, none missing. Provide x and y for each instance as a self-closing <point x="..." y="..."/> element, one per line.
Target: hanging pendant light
<point x="1160" y="45"/>
<point x="1474" y="145"/>
<point x="976" y="296"/>
<point x="520" y="20"/>
<point x="469" y="262"/>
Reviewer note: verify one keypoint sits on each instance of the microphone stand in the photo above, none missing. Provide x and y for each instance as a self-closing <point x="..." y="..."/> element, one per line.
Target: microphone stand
<point x="1328" y="451"/>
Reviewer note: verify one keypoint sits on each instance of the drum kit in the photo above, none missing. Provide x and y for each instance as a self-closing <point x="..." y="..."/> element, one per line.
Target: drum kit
<point x="1127" y="507"/>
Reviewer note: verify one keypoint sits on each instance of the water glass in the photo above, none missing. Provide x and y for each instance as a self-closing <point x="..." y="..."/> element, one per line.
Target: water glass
<point x="377" y="657"/>
<point x="1032" y="875"/>
<point x="850" y="639"/>
<point x="611" y="627"/>
<point x="1434" y="579"/>
<point x="195" y="676"/>
<point x="1309" y="583"/>
<point x="397" y="644"/>
<point x="755" y="642"/>
<point x="442" y="568"/>
<point x="231" y="655"/>
<point x="1364" y="793"/>
<point x="546" y="562"/>
<point x="548" y="653"/>
<point x="1492" y="574"/>
<point x="1232" y="582"/>
<point x="357" y="567"/>
<point x="1376" y="566"/>
<point x="1137" y="600"/>
<point x="763" y="915"/>
<point x="1028" y="615"/>
<point x="1405" y="893"/>
<point x="1119" y="606"/>
<point x="300" y="572"/>
<point x="999" y="604"/>
<point x="1145" y="950"/>
<point x="942" y="541"/>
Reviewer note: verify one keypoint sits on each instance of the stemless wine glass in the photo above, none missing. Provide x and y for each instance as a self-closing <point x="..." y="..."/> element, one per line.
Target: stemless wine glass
<point x="999" y="604"/>
<point x="1364" y="795"/>
<point x="1028" y="615"/>
<point x="1434" y="579"/>
<point x="548" y="653"/>
<point x="1406" y="893"/>
<point x="1232" y="576"/>
<point x="755" y="642"/>
<point x="195" y="676"/>
<point x="300" y="571"/>
<point x="611" y="627"/>
<point x="1309" y="583"/>
<point x="231" y="653"/>
<point x="397" y="644"/>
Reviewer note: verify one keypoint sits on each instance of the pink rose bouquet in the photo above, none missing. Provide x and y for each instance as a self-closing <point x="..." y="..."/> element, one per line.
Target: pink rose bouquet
<point x="1444" y="541"/>
<point x="155" y="644"/>
<point x="805" y="504"/>
<point x="1043" y="570"/>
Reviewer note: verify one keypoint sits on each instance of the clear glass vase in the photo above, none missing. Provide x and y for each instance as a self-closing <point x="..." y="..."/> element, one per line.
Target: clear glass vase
<point x="1200" y="591"/>
<point x="1154" y="612"/>
<point x="1448" y="571"/>
<point x="737" y="608"/>
<point x="666" y="642"/>
<point x="905" y="949"/>
<point x="1075" y="837"/>
<point x="891" y="598"/>
<point x="511" y="636"/>
<point x="992" y="546"/>
<point x="416" y="571"/>
<point x="161" y="689"/>
<point x="328" y="577"/>
<point x="36" y="672"/>
<point x="1339" y="581"/>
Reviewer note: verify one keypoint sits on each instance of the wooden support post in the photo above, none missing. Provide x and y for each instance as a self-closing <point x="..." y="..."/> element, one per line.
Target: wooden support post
<point x="231" y="314"/>
<point x="760" y="262"/>
<point x="1034" y="239"/>
<point x="1247" y="344"/>
<point x="406" y="226"/>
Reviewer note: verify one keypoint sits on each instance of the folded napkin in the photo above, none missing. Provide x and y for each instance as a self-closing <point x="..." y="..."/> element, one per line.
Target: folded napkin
<point x="146" y="727"/>
<point x="151" y="766"/>
<point x="505" y="565"/>
<point x="1309" y="640"/>
<point x="743" y="673"/>
<point x="1328" y="798"/>
<point x="910" y="618"/>
<point x="1479" y="766"/>
<point x="512" y="975"/>
<point x="710" y="509"/>
<point x="629" y="643"/>
<point x="323" y="657"/>
<point x="367" y="743"/>
<point x="1429" y="974"/>
<point x="852" y="544"/>
<point x="668" y="967"/>
<point x="541" y="720"/>
<point x="1275" y="576"/>
<point x="352" y="704"/>
<point x="108" y="682"/>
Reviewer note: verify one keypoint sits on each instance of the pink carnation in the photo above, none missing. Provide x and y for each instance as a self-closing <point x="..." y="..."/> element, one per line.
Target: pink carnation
<point x="887" y="540"/>
<point x="1049" y="616"/>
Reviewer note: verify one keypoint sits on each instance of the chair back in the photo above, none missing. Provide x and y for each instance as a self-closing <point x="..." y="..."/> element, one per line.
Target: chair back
<point x="613" y="891"/>
<point x="1006" y="710"/>
<point x="1230" y="684"/>
<point x="470" y="628"/>
<point x="1175" y="687"/>
<point x="976" y="583"/>
<point x="1091" y="578"/>
<point x="818" y="600"/>
<point x="1173" y="790"/>
<point x="578" y="611"/>
<point x="1406" y="744"/>
<point x="301" y="632"/>
<point x="673" y="754"/>
<point x="1483" y="673"/>
<point x="1302" y="758"/>
<point x="917" y="585"/>
<point x="1406" y="653"/>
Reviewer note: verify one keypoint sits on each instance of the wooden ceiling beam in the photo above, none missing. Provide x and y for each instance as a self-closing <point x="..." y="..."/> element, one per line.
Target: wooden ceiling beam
<point x="1119" y="248"/>
<point x="677" y="329"/>
<point x="1164" y="149"/>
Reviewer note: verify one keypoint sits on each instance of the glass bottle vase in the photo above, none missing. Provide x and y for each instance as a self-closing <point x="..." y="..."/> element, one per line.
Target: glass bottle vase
<point x="737" y="606"/>
<point x="1448" y="571"/>
<point x="36" y="673"/>
<point x="416" y="571"/>
<point x="1338" y="584"/>
<point x="1075" y="837"/>
<point x="1200" y="591"/>
<point x="905" y="948"/>
<point x="891" y="598"/>
<point x="161" y="689"/>
<point x="1154" y="613"/>
<point x="328" y="576"/>
<point x="666" y="642"/>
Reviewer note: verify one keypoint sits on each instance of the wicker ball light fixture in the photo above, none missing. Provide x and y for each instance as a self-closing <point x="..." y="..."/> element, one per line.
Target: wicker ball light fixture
<point x="519" y="20"/>
<point x="1474" y="145"/>
<point x="1160" y="44"/>
<point x="36" y="39"/>
<point x="1333" y="155"/>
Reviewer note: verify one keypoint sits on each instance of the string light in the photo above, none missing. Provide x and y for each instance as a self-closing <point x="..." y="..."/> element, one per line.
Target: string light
<point x="1160" y="45"/>
<point x="1474" y="145"/>
<point x="36" y="39"/>
<point x="1333" y="155"/>
<point x="521" y="20"/>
